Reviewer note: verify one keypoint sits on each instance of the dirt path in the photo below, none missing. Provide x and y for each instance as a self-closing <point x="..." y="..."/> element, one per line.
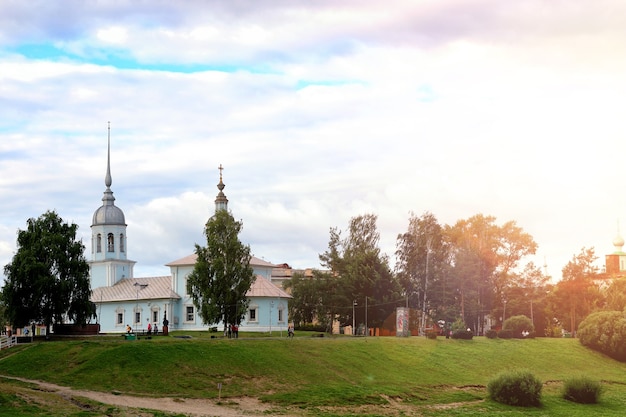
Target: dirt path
<point x="232" y="407"/>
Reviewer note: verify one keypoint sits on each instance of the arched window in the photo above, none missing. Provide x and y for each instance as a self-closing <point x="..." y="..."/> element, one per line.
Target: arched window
<point x="121" y="242"/>
<point x="99" y="243"/>
<point x="111" y="243"/>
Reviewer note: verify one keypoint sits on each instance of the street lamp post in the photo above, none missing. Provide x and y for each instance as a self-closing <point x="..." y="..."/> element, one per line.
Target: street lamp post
<point x="353" y="305"/>
<point x="138" y="287"/>
<point x="271" y="307"/>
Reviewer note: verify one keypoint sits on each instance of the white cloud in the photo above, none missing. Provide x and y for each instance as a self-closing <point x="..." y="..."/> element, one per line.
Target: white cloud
<point x="113" y="34"/>
<point x="318" y="113"/>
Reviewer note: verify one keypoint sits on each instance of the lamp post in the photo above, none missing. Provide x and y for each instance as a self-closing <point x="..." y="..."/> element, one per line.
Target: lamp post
<point x="138" y="287"/>
<point x="271" y="306"/>
<point x="353" y="306"/>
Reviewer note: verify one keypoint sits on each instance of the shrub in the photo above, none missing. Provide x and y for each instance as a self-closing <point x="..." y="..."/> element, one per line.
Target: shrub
<point x="605" y="331"/>
<point x="520" y="388"/>
<point x="491" y="334"/>
<point x="505" y="334"/>
<point x="582" y="390"/>
<point x="310" y="328"/>
<point x="462" y="334"/>
<point x="553" y="330"/>
<point x="518" y="325"/>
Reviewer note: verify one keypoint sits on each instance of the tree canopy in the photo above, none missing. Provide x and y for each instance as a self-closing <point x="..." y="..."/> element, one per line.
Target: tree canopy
<point x="359" y="275"/>
<point x="222" y="274"/>
<point x="48" y="277"/>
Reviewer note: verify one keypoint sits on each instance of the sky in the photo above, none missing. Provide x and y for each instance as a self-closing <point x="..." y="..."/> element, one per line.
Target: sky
<point x="318" y="112"/>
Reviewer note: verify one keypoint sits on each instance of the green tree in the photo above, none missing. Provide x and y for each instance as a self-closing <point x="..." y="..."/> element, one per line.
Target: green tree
<point x="222" y="274"/>
<point x="526" y="295"/>
<point x="361" y="273"/>
<point x="576" y="295"/>
<point x="306" y="298"/>
<point x="48" y="277"/>
<point x="485" y="257"/>
<point x="422" y="266"/>
<point x="3" y="314"/>
<point x="615" y="295"/>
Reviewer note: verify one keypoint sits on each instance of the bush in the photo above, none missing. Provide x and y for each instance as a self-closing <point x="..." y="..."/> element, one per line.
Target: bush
<point x="462" y="334"/>
<point x="519" y="388"/>
<point x="582" y="390"/>
<point x="605" y="331"/>
<point x="310" y="328"/>
<point x="505" y="334"/>
<point x="518" y="325"/>
<point x="553" y="330"/>
<point x="491" y="334"/>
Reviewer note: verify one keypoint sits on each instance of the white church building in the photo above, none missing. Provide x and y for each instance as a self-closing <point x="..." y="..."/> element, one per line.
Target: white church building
<point x="121" y="299"/>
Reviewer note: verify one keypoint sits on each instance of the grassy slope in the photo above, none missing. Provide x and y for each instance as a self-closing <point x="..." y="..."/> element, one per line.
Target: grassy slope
<point x="312" y="371"/>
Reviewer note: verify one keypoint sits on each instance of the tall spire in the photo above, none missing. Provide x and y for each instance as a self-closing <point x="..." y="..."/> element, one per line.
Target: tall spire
<point x="221" y="202"/>
<point x="107" y="179"/>
<point x="108" y="198"/>
<point x="108" y="213"/>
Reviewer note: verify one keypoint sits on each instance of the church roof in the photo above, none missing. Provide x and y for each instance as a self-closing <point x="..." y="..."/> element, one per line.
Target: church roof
<point x="191" y="260"/>
<point x="135" y="289"/>
<point x="262" y="287"/>
<point x="130" y="289"/>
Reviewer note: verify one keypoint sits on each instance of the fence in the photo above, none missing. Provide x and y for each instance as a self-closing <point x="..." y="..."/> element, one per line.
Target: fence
<point x="7" y="341"/>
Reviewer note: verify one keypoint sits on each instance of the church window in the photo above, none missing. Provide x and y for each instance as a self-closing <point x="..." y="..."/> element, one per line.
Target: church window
<point x="155" y="316"/>
<point x="189" y="313"/>
<point x="252" y="314"/>
<point x="137" y="317"/>
<point x="111" y="243"/>
<point x="99" y="243"/>
<point x="120" y="318"/>
<point x="280" y="316"/>
<point x="121" y="242"/>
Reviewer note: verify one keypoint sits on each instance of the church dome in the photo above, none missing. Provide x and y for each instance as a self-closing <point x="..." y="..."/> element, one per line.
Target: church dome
<point x="618" y="242"/>
<point x="108" y="214"/>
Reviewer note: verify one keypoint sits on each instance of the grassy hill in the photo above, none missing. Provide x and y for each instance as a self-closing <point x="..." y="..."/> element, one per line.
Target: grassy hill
<point x="325" y="376"/>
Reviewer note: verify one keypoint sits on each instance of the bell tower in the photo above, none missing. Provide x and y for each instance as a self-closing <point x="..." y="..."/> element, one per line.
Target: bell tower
<point x="109" y="262"/>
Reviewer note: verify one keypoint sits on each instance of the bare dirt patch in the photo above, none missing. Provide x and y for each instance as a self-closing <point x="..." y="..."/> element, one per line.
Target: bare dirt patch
<point x="231" y="407"/>
<point x="227" y="407"/>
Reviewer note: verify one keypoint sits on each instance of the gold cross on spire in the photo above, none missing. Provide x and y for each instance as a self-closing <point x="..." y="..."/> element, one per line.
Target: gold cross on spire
<point x="221" y="169"/>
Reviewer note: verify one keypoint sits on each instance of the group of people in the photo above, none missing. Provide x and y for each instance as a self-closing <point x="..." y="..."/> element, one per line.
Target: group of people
<point x="154" y="329"/>
<point x="151" y="330"/>
<point x="233" y="331"/>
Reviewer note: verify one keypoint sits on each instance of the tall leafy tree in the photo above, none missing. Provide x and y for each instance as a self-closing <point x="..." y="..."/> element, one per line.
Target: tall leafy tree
<point x="615" y="295"/>
<point x="363" y="272"/>
<point x="485" y="258"/>
<point x="222" y="274"/>
<point x="526" y="295"/>
<point x="306" y="298"/>
<point x="422" y="255"/>
<point x="48" y="277"/>
<point x="576" y="295"/>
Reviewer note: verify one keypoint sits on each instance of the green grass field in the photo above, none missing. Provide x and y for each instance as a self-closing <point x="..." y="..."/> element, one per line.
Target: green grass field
<point x="328" y="376"/>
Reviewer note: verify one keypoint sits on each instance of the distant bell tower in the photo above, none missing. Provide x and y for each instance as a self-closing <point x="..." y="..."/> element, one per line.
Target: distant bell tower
<point x="221" y="202"/>
<point x="109" y="263"/>
<point x="616" y="261"/>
